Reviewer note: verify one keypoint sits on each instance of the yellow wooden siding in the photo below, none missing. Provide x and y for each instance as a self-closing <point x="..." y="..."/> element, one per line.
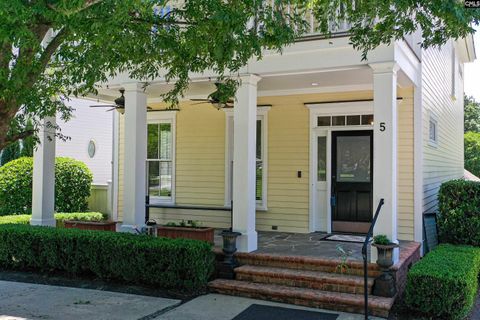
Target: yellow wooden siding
<point x="445" y="161"/>
<point x="200" y="167"/>
<point x="405" y="160"/>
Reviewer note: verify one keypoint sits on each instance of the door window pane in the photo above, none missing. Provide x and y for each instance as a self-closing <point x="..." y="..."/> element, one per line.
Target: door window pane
<point x="322" y="159"/>
<point x="367" y="119"/>
<point x="165" y="141"/>
<point x="338" y="121"/>
<point x="323" y="121"/>
<point x="153" y="178"/>
<point x="166" y="179"/>
<point x="353" y="159"/>
<point x="353" y="120"/>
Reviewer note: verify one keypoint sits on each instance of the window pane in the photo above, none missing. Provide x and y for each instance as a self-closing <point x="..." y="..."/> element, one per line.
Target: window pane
<point x="152" y="142"/>
<point x="165" y="141"/>
<point x="259" y="181"/>
<point x="353" y="120"/>
<point x="322" y="159"/>
<point x="433" y="131"/>
<point x="153" y="178"/>
<point x="353" y="159"/>
<point x="166" y="179"/>
<point x="367" y="119"/>
<point x="338" y="120"/>
<point x="323" y="121"/>
<point x="259" y="139"/>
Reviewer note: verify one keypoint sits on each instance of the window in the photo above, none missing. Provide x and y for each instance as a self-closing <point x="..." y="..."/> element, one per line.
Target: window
<point x="260" y="159"/>
<point x="345" y="120"/>
<point x="92" y="148"/>
<point x="259" y="164"/>
<point x="322" y="158"/>
<point x="160" y="160"/>
<point x="433" y="131"/>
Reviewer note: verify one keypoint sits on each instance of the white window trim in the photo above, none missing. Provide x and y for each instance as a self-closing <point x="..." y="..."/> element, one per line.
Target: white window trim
<point x="262" y="112"/>
<point x="166" y="117"/>
<point x="433" y="118"/>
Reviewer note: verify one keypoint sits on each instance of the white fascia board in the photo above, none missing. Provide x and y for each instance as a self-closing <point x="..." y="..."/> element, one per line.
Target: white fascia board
<point x="298" y="58"/>
<point x="408" y="62"/>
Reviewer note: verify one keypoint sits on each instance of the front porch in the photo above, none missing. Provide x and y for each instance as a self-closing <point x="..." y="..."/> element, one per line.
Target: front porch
<point x="303" y="269"/>
<point x="310" y="245"/>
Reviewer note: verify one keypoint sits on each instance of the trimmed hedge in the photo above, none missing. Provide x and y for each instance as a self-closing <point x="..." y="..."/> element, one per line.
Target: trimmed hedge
<point x="459" y="212"/>
<point x="73" y="180"/>
<point x="443" y="285"/>
<point x="176" y="264"/>
<point x="59" y="217"/>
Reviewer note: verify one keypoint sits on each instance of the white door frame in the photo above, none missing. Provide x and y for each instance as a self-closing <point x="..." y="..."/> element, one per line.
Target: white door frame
<point x="329" y="109"/>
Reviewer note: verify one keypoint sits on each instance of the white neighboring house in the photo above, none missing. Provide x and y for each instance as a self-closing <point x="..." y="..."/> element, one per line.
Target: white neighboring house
<point x="90" y="132"/>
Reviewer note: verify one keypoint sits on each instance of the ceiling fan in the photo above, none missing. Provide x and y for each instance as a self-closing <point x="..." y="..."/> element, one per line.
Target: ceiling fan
<point x="119" y="104"/>
<point x="216" y="98"/>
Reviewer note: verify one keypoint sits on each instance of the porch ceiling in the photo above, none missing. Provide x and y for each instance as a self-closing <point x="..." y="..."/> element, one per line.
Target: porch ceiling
<point x="348" y="79"/>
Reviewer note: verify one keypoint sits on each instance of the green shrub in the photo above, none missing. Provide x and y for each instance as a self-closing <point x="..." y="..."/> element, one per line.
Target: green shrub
<point x="472" y="152"/>
<point x="72" y="186"/>
<point x="443" y="285"/>
<point x="177" y="264"/>
<point x="59" y="217"/>
<point x="459" y="212"/>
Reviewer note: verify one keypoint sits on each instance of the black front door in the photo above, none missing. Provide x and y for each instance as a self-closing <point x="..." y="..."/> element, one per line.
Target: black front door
<point x="352" y="181"/>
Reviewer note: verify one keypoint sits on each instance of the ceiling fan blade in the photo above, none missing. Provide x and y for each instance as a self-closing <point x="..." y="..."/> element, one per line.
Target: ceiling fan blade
<point x="103" y="106"/>
<point x="111" y="109"/>
<point x="206" y="100"/>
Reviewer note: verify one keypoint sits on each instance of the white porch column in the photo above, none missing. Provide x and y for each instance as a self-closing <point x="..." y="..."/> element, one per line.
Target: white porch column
<point x="43" y="192"/>
<point x="385" y="149"/>
<point x="135" y="157"/>
<point x="244" y="138"/>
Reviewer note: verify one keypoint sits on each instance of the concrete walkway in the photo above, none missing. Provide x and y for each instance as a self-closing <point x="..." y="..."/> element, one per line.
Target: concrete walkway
<point x="221" y="307"/>
<point x="35" y="301"/>
<point x="21" y="301"/>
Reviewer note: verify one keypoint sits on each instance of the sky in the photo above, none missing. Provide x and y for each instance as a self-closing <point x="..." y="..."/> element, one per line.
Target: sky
<point x="472" y="71"/>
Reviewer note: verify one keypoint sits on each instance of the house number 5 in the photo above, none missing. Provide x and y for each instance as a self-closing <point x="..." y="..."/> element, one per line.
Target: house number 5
<point x="382" y="126"/>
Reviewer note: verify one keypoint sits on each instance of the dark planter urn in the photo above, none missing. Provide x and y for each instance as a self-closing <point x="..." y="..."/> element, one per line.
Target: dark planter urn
<point x="385" y="255"/>
<point x="229" y="248"/>
<point x="385" y="284"/>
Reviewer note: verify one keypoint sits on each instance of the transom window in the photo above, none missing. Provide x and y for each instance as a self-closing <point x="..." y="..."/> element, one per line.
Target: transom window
<point x="345" y="120"/>
<point x="160" y="160"/>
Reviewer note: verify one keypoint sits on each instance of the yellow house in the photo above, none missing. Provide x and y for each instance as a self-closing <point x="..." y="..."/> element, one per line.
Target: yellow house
<point x="315" y="137"/>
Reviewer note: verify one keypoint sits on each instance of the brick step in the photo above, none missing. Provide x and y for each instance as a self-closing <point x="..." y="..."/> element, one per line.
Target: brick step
<point x="303" y="278"/>
<point x="346" y="302"/>
<point x="305" y="263"/>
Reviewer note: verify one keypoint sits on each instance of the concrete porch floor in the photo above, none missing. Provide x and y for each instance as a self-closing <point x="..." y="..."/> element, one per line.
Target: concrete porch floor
<point x="304" y="244"/>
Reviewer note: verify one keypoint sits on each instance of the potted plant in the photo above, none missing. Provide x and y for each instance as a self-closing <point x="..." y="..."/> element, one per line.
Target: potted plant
<point x="385" y="249"/>
<point x="97" y="222"/>
<point x="189" y="230"/>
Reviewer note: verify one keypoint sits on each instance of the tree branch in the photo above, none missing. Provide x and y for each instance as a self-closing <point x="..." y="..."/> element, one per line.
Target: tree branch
<point x="88" y="4"/>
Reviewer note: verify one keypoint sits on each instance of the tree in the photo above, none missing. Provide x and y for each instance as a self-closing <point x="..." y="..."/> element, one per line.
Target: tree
<point x="11" y="152"/>
<point x="472" y="152"/>
<point x="471" y="114"/>
<point x="53" y="49"/>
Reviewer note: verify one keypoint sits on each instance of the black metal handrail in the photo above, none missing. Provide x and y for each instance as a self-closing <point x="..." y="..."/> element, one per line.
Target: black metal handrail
<point x="364" y="254"/>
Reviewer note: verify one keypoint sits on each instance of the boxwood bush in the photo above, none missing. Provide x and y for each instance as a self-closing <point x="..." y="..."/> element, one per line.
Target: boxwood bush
<point x="459" y="212"/>
<point x="73" y="180"/>
<point x="443" y="285"/>
<point x="59" y="217"/>
<point x="176" y="264"/>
